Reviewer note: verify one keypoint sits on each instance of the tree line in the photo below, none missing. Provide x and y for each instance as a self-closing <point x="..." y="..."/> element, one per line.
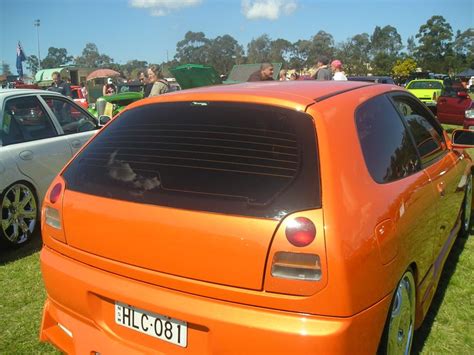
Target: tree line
<point x="434" y="48"/>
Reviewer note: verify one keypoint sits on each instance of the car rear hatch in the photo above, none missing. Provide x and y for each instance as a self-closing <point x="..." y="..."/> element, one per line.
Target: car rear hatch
<point x="192" y="189"/>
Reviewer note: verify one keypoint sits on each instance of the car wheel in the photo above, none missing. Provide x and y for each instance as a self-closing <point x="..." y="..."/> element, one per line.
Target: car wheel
<point x="400" y="325"/>
<point x="19" y="214"/>
<point x="467" y="207"/>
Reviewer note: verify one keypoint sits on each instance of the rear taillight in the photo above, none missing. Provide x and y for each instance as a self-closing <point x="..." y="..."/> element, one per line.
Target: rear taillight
<point x="300" y="232"/>
<point x="52" y="217"/>
<point x="296" y="266"/>
<point x="55" y="192"/>
<point x="435" y="96"/>
<point x="52" y="208"/>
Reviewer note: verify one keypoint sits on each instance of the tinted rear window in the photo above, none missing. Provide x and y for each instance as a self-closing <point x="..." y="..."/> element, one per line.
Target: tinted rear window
<point x="235" y="158"/>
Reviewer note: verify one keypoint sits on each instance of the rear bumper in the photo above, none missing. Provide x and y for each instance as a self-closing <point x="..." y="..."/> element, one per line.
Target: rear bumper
<point x="78" y="317"/>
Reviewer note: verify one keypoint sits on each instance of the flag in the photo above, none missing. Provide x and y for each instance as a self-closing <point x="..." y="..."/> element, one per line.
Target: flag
<point x="20" y="58"/>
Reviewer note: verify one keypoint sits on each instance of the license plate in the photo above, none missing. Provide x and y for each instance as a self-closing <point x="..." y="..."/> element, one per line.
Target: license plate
<point x="156" y="325"/>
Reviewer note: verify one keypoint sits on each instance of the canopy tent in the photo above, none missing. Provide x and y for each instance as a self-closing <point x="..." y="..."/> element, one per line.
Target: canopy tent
<point x="466" y="73"/>
<point x="195" y="75"/>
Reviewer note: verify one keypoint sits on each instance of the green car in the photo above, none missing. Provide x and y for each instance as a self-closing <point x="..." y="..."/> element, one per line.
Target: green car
<point x="427" y="90"/>
<point x="115" y="103"/>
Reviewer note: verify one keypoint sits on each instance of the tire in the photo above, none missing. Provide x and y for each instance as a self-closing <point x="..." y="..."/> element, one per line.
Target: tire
<point x="18" y="214"/>
<point x="466" y="208"/>
<point x="399" y="328"/>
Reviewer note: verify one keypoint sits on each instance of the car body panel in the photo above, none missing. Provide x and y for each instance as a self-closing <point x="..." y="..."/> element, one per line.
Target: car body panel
<point x="37" y="161"/>
<point x="451" y="108"/>
<point x="386" y="229"/>
<point x="426" y="90"/>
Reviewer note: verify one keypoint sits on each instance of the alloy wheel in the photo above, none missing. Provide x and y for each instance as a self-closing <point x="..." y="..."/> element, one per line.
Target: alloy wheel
<point x="19" y="214"/>
<point x="402" y="317"/>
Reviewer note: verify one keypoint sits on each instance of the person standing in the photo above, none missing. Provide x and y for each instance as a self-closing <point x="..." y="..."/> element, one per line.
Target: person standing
<point x="265" y="73"/>
<point x="59" y="85"/>
<point x="109" y="88"/>
<point x="283" y="75"/>
<point x="336" y="67"/>
<point x="157" y="85"/>
<point x="322" y="70"/>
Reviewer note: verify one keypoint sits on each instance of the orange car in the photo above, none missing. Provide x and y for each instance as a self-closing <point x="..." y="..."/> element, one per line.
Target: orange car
<point x="285" y="217"/>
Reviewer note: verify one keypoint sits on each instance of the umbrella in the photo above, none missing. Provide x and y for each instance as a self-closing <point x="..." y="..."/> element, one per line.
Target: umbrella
<point x="466" y="73"/>
<point x="102" y="73"/>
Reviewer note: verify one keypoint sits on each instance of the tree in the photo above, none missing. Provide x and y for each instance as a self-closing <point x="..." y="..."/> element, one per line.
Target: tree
<point x="91" y="58"/>
<point x="354" y="54"/>
<point x="385" y="46"/>
<point x="434" y="40"/>
<point x="403" y="68"/>
<point x="6" y="69"/>
<point x="411" y="46"/>
<point x="194" y="48"/>
<point x="224" y="52"/>
<point x="55" y="58"/>
<point x="463" y="48"/>
<point x="280" y="51"/>
<point x="385" y="40"/>
<point x="300" y="55"/>
<point x="32" y="64"/>
<point x="258" y="50"/>
<point x="322" y="44"/>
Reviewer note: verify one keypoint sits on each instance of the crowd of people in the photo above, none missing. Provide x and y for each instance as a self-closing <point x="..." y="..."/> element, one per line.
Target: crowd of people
<point x="324" y="71"/>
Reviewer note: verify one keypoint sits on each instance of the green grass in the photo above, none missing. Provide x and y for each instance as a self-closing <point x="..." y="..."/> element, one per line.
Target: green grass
<point x="448" y="327"/>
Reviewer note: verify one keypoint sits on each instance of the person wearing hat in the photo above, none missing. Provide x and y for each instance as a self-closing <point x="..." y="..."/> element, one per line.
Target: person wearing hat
<point x="109" y="88"/>
<point x="336" y="66"/>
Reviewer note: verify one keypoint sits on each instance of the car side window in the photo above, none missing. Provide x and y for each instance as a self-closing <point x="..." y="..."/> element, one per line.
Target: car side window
<point x="426" y="132"/>
<point x="69" y="116"/>
<point x="25" y="119"/>
<point x="388" y="149"/>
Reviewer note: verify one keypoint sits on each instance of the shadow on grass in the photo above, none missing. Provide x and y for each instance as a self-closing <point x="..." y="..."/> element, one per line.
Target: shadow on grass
<point x="449" y="267"/>
<point x="12" y="254"/>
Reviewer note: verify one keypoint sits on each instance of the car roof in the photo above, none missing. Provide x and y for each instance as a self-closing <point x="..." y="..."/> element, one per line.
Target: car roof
<point x="281" y="93"/>
<point x="12" y="92"/>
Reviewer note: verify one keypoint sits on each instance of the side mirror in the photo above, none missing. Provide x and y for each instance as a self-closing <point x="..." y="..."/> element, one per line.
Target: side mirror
<point x="462" y="138"/>
<point x="462" y="94"/>
<point x="103" y="120"/>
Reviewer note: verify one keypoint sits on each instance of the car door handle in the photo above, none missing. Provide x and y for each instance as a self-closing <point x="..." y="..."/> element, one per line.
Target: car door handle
<point x="442" y="188"/>
<point x="76" y="143"/>
<point x="26" y="155"/>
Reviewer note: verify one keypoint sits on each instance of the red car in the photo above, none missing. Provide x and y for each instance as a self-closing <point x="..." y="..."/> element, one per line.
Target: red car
<point x="452" y="106"/>
<point x="78" y="97"/>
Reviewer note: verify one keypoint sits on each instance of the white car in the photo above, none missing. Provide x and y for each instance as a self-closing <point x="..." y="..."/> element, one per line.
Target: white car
<point x="39" y="132"/>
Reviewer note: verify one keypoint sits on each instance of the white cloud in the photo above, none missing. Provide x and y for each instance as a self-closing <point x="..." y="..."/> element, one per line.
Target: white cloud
<point x="267" y="9"/>
<point x="163" y="7"/>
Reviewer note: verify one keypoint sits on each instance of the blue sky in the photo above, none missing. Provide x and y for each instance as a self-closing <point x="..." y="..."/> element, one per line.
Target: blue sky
<point x="149" y="29"/>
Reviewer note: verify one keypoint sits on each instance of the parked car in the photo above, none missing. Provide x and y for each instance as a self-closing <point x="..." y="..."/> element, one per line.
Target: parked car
<point x="372" y="79"/>
<point x="427" y="90"/>
<point x="78" y="96"/>
<point x="39" y="132"/>
<point x="452" y="105"/>
<point x="296" y="217"/>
